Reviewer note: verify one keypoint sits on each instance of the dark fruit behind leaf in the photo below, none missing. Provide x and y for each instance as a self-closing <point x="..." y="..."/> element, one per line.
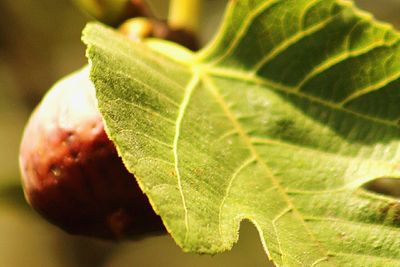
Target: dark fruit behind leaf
<point x="71" y="172"/>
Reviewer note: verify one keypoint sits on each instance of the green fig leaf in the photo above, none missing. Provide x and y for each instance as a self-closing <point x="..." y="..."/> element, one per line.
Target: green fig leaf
<point x="281" y="120"/>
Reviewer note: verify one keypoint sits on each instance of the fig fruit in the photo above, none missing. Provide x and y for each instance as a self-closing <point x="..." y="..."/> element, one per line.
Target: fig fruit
<point x="71" y="172"/>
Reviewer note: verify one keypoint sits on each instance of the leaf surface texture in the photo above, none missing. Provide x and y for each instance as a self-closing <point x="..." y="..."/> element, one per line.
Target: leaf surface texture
<point x="280" y="121"/>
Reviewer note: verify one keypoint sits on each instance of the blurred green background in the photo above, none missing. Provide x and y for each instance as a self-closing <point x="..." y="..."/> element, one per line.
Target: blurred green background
<point x="40" y="43"/>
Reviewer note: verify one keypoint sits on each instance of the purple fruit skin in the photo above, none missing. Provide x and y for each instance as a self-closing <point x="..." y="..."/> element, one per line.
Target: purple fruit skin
<point x="71" y="172"/>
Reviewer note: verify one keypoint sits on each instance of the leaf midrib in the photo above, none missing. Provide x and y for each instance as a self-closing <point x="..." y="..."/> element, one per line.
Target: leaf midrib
<point x="291" y="207"/>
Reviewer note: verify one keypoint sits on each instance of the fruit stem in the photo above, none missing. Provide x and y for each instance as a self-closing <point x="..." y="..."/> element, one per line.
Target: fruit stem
<point x="185" y="14"/>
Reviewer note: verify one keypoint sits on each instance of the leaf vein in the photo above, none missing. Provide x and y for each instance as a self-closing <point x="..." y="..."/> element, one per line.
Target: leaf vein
<point x="291" y="41"/>
<point x="315" y="263"/>
<point x="243" y="76"/>
<point x="194" y="81"/>
<point x="235" y="174"/>
<point x="332" y="61"/>
<point x="247" y="22"/>
<point x="370" y="88"/>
